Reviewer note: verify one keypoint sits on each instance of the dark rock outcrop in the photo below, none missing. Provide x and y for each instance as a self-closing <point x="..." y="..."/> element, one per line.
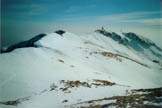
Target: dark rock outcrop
<point x="113" y="36"/>
<point x="28" y="43"/>
<point x="60" y="32"/>
<point x="134" y="41"/>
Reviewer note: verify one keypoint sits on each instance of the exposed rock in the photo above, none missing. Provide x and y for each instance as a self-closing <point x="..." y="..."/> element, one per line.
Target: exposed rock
<point x="132" y="40"/>
<point x="28" y="43"/>
<point x="60" y="60"/>
<point x="64" y="101"/>
<point x="60" y="32"/>
<point x="68" y="85"/>
<point x="140" y="98"/>
<point x="15" y="102"/>
<point x="155" y="61"/>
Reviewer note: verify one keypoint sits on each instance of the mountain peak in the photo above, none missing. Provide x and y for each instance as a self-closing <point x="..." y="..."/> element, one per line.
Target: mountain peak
<point x="129" y="40"/>
<point x="61" y="63"/>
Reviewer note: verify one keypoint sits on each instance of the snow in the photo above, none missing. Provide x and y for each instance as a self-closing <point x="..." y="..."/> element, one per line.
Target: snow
<point x="28" y="71"/>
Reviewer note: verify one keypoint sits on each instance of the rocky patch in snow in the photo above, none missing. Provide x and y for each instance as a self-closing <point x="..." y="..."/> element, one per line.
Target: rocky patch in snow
<point x="65" y="87"/>
<point x="60" y="32"/>
<point x="139" y="98"/>
<point x="70" y="84"/>
<point x="118" y="57"/>
<point x="16" y="101"/>
<point x="136" y="42"/>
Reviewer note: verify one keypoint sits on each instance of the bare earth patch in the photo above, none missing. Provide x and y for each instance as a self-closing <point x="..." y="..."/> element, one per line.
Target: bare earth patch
<point x="118" y="57"/>
<point x="68" y="85"/>
<point x="136" y="98"/>
<point x="140" y="98"/>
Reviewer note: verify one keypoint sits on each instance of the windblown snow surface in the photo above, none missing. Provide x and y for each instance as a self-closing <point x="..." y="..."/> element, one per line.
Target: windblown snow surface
<point x="87" y="71"/>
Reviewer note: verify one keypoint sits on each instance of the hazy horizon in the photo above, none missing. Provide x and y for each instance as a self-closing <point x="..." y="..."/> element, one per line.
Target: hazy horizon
<point x="22" y="19"/>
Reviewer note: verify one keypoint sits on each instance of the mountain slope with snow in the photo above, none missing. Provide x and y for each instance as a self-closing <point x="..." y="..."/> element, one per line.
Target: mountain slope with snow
<point x="67" y="70"/>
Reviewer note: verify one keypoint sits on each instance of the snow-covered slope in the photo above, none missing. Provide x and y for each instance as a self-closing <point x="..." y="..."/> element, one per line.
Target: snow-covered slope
<point x="141" y="45"/>
<point x="66" y="70"/>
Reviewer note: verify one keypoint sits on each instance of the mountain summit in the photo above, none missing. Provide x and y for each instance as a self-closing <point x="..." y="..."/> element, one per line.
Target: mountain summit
<point x="64" y="70"/>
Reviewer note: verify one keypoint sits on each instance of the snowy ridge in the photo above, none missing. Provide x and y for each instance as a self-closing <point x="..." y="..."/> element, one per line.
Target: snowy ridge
<point x="67" y="70"/>
<point x="28" y="43"/>
<point x="142" y="46"/>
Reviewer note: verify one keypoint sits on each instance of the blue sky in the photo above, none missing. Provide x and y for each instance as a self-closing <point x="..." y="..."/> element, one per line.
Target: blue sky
<point x="21" y="19"/>
<point x="47" y="10"/>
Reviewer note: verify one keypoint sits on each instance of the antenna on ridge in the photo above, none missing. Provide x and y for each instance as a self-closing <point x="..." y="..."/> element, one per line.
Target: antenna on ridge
<point x="102" y="28"/>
